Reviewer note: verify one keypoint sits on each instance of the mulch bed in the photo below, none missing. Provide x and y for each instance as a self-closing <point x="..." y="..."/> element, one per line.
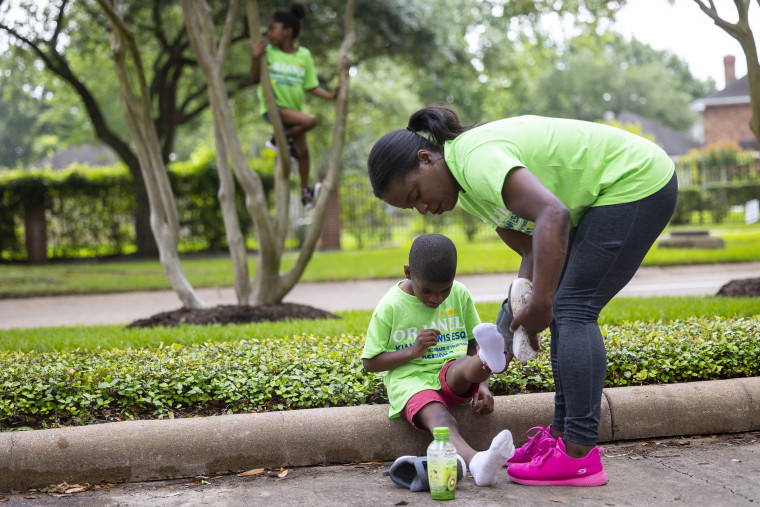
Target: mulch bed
<point x="233" y="314"/>
<point x="747" y="287"/>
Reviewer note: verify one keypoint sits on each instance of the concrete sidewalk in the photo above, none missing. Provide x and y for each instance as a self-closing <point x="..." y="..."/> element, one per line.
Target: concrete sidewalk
<point x="698" y="280"/>
<point x="138" y="451"/>
<point x="710" y="471"/>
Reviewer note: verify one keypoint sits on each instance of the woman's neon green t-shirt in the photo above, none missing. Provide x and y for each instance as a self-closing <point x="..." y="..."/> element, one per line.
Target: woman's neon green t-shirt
<point x="290" y="75"/>
<point x="584" y="164"/>
<point x="395" y="323"/>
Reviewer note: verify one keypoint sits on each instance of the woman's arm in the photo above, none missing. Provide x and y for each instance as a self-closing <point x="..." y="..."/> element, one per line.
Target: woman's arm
<point x="528" y="198"/>
<point x="523" y="245"/>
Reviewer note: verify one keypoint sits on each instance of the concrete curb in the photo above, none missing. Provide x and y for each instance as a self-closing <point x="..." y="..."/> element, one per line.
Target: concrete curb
<point x="151" y="450"/>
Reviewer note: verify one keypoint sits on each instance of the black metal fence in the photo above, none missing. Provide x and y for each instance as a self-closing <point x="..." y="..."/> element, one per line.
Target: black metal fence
<point x="367" y="222"/>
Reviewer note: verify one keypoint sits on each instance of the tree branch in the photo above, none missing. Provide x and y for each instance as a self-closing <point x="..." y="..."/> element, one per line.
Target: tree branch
<point x="712" y="12"/>
<point x="229" y="24"/>
<point x="58" y="24"/>
<point x="58" y="65"/>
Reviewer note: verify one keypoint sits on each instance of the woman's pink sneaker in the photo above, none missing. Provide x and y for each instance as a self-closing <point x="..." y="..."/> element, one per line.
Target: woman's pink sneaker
<point x="555" y="468"/>
<point x="537" y="443"/>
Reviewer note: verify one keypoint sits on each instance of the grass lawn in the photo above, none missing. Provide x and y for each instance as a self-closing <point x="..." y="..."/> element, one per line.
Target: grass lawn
<point x="207" y="270"/>
<point x="352" y="323"/>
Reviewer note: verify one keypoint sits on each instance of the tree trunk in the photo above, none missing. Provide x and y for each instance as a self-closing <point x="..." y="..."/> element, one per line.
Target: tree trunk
<point x="332" y="180"/>
<point x="146" y="243"/>
<point x="136" y="103"/>
<point x="35" y="233"/>
<point x="330" y="237"/>
<point x="753" y="81"/>
<point x="235" y="238"/>
<point x="742" y="32"/>
<point x="269" y="286"/>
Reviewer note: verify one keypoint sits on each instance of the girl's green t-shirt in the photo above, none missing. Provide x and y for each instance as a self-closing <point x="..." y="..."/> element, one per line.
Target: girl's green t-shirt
<point x="395" y="323"/>
<point x="290" y="75"/>
<point x="584" y="164"/>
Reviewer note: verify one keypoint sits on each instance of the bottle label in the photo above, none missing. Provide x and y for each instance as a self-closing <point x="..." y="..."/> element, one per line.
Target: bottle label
<point x="442" y="475"/>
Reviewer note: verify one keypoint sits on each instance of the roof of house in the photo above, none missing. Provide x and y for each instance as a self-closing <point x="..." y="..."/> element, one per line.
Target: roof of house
<point x="736" y="92"/>
<point x="674" y="143"/>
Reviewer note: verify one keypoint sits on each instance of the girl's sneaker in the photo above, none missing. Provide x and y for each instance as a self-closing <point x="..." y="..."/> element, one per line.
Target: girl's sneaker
<point x="271" y="144"/>
<point x="555" y="468"/>
<point x="307" y="196"/>
<point x="537" y="444"/>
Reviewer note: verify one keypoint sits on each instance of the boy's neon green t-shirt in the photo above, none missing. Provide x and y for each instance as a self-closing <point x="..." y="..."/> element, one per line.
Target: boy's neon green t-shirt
<point x="290" y="75"/>
<point x="395" y="323"/>
<point x="584" y="164"/>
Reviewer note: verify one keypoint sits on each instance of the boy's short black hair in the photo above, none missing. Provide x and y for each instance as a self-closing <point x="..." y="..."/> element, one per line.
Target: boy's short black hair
<point x="433" y="258"/>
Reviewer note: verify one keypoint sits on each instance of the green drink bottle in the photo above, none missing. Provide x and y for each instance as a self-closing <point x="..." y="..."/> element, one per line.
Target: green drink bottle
<point x="442" y="465"/>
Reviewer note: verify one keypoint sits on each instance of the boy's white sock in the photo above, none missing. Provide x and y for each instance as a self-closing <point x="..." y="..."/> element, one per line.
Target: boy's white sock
<point x="485" y="464"/>
<point x="491" y="345"/>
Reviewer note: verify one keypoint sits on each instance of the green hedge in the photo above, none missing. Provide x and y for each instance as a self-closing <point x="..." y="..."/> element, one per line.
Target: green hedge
<point x="713" y="198"/>
<point x="714" y="178"/>
<point x="91" y="209"/>
<point x="81" y="386"/>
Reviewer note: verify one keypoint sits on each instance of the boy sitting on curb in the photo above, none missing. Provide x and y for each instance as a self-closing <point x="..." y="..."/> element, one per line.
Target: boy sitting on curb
<point x="421" y="335"/>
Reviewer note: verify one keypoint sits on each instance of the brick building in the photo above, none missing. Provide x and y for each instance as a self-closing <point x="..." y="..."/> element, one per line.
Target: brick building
<point x="727" y="112"/>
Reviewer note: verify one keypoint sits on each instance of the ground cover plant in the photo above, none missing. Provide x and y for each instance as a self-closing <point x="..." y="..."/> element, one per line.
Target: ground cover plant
<point x="215" y="270"/>
<point x="65" y="376"/>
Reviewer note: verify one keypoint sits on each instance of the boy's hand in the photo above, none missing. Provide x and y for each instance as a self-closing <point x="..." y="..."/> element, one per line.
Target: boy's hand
<point x="482" y="402"/>
<point x="425" y="339"/>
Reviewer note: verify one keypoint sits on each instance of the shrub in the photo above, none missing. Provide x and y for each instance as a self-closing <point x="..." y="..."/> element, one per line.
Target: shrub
<point x="714" y="178"/>
<point x="90" y="210"/>
<point x="82" y="386"/>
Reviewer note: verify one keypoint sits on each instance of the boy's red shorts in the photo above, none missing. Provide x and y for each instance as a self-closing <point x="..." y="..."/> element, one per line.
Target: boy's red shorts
<point x="443" y="395"/>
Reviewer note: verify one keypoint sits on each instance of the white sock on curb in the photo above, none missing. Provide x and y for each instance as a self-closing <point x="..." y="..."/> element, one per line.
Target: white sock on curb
<point x="485" y="464"/>
<point x="491" y="345"/>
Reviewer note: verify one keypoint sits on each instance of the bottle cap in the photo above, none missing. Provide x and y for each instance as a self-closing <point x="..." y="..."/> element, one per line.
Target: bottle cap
<point x="441" y="432"/>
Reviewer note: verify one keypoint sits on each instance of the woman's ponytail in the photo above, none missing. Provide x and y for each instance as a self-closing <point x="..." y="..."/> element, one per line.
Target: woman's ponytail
<point x="440" y="122"/>
<point x="395" y="154"/>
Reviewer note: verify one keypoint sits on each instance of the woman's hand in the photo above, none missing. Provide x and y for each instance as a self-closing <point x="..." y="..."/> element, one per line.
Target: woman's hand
<point x="534" y="318"/>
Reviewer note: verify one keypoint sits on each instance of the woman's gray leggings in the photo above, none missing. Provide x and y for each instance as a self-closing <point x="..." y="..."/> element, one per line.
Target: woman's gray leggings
<point x="604" y="252"/>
